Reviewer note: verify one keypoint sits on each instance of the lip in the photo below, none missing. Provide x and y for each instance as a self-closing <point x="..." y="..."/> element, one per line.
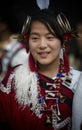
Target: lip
<point x="43" y="54"/>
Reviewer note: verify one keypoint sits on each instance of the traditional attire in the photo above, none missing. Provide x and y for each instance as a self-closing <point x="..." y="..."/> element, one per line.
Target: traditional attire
<point x="15" y="53"/>
<point x="32" y="101"/>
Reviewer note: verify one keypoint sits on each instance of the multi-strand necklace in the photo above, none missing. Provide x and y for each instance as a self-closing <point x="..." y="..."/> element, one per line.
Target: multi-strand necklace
<point x="54" y="96"/>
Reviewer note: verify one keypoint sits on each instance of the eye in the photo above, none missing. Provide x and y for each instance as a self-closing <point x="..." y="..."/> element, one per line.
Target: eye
<point x="51" y="37"/>
<point x="34" y="38"/>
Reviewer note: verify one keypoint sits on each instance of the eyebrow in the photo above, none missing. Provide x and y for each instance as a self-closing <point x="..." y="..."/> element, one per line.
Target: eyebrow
<point x="34" y="33"/>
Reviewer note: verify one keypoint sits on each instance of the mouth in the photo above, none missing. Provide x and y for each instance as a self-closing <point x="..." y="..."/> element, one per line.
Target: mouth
<point x="44" y="54"/>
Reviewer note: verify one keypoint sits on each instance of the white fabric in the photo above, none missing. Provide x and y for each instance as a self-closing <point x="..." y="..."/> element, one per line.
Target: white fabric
<point x="77" y="107"/>
<point x="43" y="4"/>
<point x="19" y="58"/>
<point x="26" y="88"/>
<point x="75" y="79"/>
<point x="11" y="44"/>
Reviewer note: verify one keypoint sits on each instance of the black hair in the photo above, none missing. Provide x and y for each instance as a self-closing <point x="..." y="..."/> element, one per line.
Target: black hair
<point x="49" y="19"/>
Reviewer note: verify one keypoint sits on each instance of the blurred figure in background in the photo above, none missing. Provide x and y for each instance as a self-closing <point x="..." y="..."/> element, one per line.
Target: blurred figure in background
<point x="77" y="107"/>
<point x="79" y="40"/>
<point x="12" y="52"/>
<point x="75" y="53"/>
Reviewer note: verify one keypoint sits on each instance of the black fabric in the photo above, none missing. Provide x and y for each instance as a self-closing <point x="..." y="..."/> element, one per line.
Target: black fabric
<point x="5" y="126"/>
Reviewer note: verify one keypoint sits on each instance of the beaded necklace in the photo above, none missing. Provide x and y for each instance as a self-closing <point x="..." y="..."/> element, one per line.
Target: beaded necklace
<point x="52" y="94"/>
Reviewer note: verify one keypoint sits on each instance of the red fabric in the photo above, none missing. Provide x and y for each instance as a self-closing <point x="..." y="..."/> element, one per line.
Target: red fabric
<point x="24" y="46"/>
<point x="22" y="118"/>
<point x="66" y="62"/>
<point x="32" y="64"/>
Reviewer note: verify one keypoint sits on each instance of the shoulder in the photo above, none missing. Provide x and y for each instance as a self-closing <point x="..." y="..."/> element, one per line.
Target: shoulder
<point x="6" y="84"/>
<point x="76" y="74"/>
<point x="79" y="88"/>
<point x="77" y="106"/>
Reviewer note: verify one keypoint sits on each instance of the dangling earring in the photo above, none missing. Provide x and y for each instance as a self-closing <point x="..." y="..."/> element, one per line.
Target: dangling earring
<point x="64" y="47"/>
<point x="61" y="54"/>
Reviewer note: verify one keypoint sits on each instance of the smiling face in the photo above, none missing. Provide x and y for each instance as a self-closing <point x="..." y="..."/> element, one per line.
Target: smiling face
<point x="44" y="47"/>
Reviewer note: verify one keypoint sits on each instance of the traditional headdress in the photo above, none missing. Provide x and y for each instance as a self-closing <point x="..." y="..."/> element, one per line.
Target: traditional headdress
<point x="62" y="27"/>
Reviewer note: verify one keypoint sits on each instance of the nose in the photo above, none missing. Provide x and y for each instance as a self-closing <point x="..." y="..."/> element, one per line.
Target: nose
<point x="43" y="43"/>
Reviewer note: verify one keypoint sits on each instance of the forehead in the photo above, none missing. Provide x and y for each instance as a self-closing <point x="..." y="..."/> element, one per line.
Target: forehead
<point x="37" y="26"/>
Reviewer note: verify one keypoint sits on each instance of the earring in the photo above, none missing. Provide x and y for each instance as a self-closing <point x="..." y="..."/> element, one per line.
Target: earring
<point x="61" y="54"/>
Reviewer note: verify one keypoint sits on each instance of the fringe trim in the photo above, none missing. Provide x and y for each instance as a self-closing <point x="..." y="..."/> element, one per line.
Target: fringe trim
<point x="8" y="88"/>
<point x="26" y="86"/>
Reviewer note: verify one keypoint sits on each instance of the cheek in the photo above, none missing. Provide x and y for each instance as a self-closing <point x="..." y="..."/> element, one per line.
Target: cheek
<point x="56" y="50"/>
<point x="31" y="45"/>
<point x="56" y="44"/>
<point x="56" y="47"/>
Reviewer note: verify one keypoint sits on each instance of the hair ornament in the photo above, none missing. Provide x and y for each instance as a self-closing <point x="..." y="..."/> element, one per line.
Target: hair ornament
<point x="23" y="36"/>
<point x="68" y="37"/>
<point x="64" y="23"/>
<point x="26" y="25"/>
<point x="68" y="33"/>
<point x="43" y="4"/>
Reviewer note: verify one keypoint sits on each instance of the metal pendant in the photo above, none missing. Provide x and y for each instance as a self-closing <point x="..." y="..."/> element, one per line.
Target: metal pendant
<point x="62" y="98"/>
<point x="48" y="122"/>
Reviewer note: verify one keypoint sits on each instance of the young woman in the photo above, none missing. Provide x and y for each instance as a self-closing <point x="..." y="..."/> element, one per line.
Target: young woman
<point x="38" y="94"/>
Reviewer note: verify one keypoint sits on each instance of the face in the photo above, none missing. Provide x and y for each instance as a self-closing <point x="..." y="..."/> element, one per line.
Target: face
<point x="44" y="47"/>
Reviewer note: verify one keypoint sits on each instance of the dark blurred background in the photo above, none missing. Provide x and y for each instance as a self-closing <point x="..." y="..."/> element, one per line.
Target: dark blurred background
<point x="16" y="10"/>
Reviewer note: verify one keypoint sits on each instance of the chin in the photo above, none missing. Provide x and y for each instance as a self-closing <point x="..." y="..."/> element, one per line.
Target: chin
<point x="44" y="63"/>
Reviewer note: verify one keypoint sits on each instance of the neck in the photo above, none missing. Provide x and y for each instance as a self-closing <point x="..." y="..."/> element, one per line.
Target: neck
<point x="50" y="70"/>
